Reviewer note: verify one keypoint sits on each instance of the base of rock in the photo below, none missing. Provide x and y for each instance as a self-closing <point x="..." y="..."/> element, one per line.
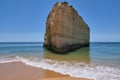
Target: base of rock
<point x="66" y="49"/>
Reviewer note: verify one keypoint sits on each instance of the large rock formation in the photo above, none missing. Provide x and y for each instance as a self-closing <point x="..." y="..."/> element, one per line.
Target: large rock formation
<point x="65" y="29"/>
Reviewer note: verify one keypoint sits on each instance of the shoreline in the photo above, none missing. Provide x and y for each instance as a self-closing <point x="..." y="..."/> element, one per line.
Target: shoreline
<point x="20" y="71"/>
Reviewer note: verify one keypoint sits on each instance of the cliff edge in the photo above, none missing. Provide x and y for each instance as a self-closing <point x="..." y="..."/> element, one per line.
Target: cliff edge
<point x="65" y="29"/>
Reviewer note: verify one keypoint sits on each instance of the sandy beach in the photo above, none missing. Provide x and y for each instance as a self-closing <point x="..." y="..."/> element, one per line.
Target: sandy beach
<point x="20" y="71"/>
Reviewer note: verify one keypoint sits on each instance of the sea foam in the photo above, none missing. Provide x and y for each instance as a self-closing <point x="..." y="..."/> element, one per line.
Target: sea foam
<point x="91" y="71"/>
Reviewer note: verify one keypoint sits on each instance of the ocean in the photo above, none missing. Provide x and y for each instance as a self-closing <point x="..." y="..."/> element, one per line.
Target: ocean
<point x="100" y="61"/>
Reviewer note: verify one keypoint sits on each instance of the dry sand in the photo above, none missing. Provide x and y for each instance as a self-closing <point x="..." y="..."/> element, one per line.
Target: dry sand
<point x="20" y="71"/>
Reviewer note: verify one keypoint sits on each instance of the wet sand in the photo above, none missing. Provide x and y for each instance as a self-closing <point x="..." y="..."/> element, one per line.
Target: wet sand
<point x="20" y="71"/>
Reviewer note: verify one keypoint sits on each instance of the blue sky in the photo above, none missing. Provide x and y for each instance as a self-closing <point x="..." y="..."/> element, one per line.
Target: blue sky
<point x="24" y="20"/>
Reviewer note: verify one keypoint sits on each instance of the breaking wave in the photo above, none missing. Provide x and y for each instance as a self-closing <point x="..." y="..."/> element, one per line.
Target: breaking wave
<point x="91" y="71"/>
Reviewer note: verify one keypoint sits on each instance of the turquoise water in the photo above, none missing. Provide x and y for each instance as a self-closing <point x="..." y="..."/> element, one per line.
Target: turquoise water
<point x="99" y="61"/>
<point x="108" y="53"/>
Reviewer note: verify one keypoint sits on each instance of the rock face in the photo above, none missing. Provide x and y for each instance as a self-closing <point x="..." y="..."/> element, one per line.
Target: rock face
<point x="65" y="29"/>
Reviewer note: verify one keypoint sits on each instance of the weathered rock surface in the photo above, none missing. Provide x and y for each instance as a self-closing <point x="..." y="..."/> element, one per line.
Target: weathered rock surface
<point x="65" y="29"/>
